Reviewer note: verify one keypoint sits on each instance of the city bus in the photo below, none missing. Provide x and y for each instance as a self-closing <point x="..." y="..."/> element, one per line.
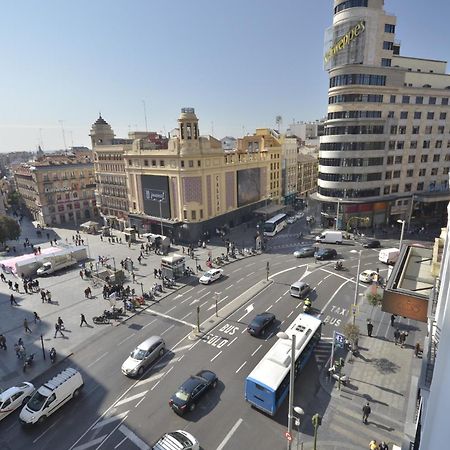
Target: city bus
<point x="267" y="385"/>
<point x="275" y="225"/>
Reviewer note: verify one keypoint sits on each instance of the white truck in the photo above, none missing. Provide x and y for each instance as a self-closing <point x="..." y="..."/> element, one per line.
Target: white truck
<point x="51" y="396"/>
<point x="55" y="263"/>
<point x="330" y="237"/>
<point x="389" y="255"/>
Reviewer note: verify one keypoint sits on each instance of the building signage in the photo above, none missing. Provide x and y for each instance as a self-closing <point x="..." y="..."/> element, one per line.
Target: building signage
<point x="345" y="40"/>
<point x="57" y="189"/>
<point x="153" y="195"/>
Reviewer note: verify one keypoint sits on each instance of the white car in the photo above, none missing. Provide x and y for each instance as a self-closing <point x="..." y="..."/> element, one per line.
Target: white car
<point x="292" y="219"/>
<point x="177" y="440"/>
<point x="367" y="276"/>
<point x="210" y="276"/>
<point x="14" y="398"/>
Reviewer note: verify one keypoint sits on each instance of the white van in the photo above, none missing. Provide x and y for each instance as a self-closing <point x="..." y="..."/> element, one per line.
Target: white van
<point x="299" y="289"/>
<point x="330" y="237"/>
<point x="389" y="255"/>
<point x="51" y="396"/>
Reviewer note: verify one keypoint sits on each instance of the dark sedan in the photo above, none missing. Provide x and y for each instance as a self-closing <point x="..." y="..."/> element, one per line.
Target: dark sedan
<point x="371" y="243"/>
<point x="260" y="323"/>
<point x="190" y="392"/>
<point x="325" y="253"/>
<point x="304" y="252"/>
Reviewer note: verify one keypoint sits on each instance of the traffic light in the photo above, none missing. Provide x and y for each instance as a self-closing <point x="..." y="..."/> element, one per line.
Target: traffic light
<point x="316" y="420"/>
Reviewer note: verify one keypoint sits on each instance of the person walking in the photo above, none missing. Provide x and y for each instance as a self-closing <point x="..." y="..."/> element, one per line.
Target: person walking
<point x="81" y="274"/>
<point x="155" y="273"/>
<point x="36" y="317"/>
<point x="403" y="336"/>
<point x="373" y="445"/>
<point x="26" y="327"/>
<point x="134" y="277"/>
<point x="12" y="300"/>
<point x="58" y="330"/>
<point x="369" y="327"/>
<point x="43" y="295"/>
<point x="3" y="342"/>
<point x="83" y="320"/>
<point x="383" y="446"/>
<point x="366" y="412"/>
<point x="397" y="336"/>
<point x="48" y="296"/>
<point x="393" y="317"/>
<point x="61" y="323"/>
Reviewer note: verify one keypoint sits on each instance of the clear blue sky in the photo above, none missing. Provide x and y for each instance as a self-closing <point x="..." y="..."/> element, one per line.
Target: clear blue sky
<point x="239" y="63"/>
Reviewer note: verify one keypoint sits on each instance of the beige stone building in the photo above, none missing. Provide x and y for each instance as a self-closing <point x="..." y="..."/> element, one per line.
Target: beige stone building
<point x="190" y="187"/>
<point x="58" y="188"/>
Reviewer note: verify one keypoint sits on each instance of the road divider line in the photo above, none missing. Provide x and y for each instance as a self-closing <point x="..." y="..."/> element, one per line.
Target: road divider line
<point x="97" y="360"/>
<point x="133" y="438"/>
<point x="218" y="354"/>
<point x="229" y="434"/>
<point x="245" y="362"/>
<point x="279" y="298"/>
<point x="109" y="420"/>
<point x="229" y="343"/>
<point x="269" y="308"/>
<point x="171" y="309"/>
<point x="186" y="316"/>
<point x="149" y="380"/>
<point x="253" y="354"/>
<point x="126" y="339"/>
<point x="92" y="443"/>
<point x="130" y="399"/>
<point x="290" y="314"/>
<point x="160" y="314"/>
<point x="121" y="442"/>
<point x="186" y="299"/>
<point x="229" y="287"/>
<point x="201" y="290"/>
<point x="240" y="279"/>
<point x="148" y="324"/>
<point x="268" y="337"/>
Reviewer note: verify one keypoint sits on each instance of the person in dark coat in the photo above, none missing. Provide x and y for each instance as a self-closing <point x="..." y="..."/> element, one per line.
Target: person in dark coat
<point x="366" y="412"/>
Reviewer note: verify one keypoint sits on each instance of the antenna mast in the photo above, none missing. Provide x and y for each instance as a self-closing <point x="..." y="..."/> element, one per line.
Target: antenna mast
<point x="61" y="122"/>
<point x="145" y="115"/>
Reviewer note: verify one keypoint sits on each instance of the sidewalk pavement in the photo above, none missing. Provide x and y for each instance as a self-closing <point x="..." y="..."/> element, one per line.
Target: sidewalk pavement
<point x="68" y="301"/>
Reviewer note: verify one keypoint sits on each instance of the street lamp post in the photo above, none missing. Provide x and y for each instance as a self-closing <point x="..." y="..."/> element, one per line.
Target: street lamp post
<point x="300" y="413"/>
<point x="160" y="216"/>
<point x="337" y="213"/>
<point x="283" y="335"/>
<point x="402" y="232"/>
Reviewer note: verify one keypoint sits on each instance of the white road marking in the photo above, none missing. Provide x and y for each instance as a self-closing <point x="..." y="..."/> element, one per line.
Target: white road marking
<point x="216" y="356"/>
<point x="48" y="429"/>
<point x="185" y="347"/>
<point x="282" y="323"/>
<point x="240" y="279"/>
<point x="244" y="330"/>
<point x="110" y="420"/>
<point x="171" y="309"/>
<point x="186" y="299"/>
<point x="180" y="358"/>
<point x="148" y="324"/>
<point x="91" y="443"/>
<point x="241" y="366"/>
<point x="126" y="339"/>
<point x="139" y="402"/>
<point x="201" y="290"/>
<point x="229" y="287"/>
<point x="248" y="310"/>
<point x="229" y="343"/>
<point x="236" y="270"/>
<point x="251" y="264"/>
<point x="166" y="330"/>
<point x="229" y="434"/>
<point x="290" y="314"/>
<point x="286" y="292"/>
<point x="270" y="307"/>
<point x="157" y="313"/>
<point x="204" y="303"/>
<point x="149" y="380"/>
<point x="186" y="316"/>
<point x="334" y="295"/>
<point x="130" y="399"/>
<point x="268" y="337"/>
<point x="121" y="442"/>
<point x="189" y="290"/>
<point x="276" y="301"/>
<point x="97" y="360"/>
<point x="253" y="354"/>
<point x="133" y="438"/>
<point x="250" y="274"/>
<point x="178" y="296"/>
<point x="156" y="384"/>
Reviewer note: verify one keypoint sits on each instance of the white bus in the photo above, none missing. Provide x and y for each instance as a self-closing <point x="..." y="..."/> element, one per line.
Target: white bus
<point x="267" y="385"/>
<point x="275" y="225"/>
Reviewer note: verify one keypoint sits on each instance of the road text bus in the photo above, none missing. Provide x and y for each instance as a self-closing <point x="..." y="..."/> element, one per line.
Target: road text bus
<point x="275" y="225"/>
<point x="268" y="384"/>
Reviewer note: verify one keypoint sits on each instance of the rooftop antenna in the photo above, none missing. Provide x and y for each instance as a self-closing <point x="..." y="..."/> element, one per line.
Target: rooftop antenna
<point x="212" y="128"/>
<point x="71" y="137"/>
<point x="279" y="121"/>
<point x="61" y="122"/>
<point x="145" y="115"/>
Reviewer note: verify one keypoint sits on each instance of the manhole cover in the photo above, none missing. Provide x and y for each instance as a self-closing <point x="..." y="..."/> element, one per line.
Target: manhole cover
<point x="135" y="326"/>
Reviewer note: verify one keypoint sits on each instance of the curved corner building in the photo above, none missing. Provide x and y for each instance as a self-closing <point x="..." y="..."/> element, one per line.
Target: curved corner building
<point x="385" y="153"/>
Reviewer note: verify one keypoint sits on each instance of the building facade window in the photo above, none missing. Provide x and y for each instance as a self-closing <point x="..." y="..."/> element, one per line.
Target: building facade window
<point x="420" y="186"/>
<point x="355" y="98"/>
<point x="436" y="158"/>
<point x="419" y="100"/>
<point x="432" y="101"/>
<point x="442" y="116"/>
<point x="430" y="115"/>
<point x="424" y="158"/>
<point x="413" y="145"/>
<point x="403" y="114"/>
<point x="415" y="130"/>
<point x="388" y="45"/>
<point x="386" y="62"/>
<point x="408" y="187"/>
<point x="389" y="28"/>
<point x="350" y="4"/>
<point x="405" y="99"/>
<point x="392" y="99"/>
<point x="411" y="159"/>
<point x="409" y="173"/>
<point x="422" y="172"/>
<point x="358" y="78"/>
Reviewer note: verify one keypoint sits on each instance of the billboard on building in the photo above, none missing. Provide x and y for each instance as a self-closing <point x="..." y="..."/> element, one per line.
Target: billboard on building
<point x="345" y="44"/>
<point x="155" y="190"/>
<point x="248" y="186"/>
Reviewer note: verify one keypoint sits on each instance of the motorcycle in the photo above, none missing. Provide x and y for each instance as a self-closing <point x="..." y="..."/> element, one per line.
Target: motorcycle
<point x="307" y="306"/>
<point x="52" y="354"/>
<point x="111" y="314"/>
<point x="28" y="361"/>
<point x="101" y="320"/>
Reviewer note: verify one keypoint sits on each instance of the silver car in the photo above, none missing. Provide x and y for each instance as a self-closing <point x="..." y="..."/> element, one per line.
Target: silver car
<point x="143" y="355"/>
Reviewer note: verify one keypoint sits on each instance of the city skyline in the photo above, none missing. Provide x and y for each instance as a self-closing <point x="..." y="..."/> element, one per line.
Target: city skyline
<point x="66" y="65"/>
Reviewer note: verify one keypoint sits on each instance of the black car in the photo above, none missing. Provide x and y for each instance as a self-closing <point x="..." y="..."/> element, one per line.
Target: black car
<point x="190" y="392"/>
<point x="260" y="323"/>
<point x="304" y="252"/>
<point x="371" y="243"/>
<point x="325" y="253"/>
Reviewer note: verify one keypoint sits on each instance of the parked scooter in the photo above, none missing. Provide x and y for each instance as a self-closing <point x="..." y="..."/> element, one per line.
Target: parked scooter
<point x="28" y="361"/>
<point x="100" y="320"/>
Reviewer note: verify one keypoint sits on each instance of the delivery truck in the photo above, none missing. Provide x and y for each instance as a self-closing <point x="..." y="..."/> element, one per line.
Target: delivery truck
<point x="330" y="237"/>
<point x="389" y="255"/>
<point x="54" y="264"/>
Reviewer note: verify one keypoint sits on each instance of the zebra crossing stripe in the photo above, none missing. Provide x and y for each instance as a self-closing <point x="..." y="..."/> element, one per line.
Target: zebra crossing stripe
<point x="109" y="420"/>
<point x="92" y="443"/>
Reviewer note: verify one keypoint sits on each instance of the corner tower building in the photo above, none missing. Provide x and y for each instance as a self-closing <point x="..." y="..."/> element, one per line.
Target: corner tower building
<point x="385" y="153"/>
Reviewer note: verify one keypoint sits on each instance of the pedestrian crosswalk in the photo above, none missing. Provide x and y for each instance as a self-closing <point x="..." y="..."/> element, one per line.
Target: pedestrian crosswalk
<point x="322" y="353"/>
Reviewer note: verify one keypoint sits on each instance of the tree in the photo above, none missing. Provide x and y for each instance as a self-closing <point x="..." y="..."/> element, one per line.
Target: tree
<point x="9" y="228"/>
<point x="374" y="298"/>
<point x="14" y="199"/>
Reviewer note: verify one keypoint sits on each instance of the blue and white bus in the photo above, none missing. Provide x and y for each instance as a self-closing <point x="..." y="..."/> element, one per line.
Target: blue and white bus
<point x="267" y="385"/>
<point x="275" y="224"/>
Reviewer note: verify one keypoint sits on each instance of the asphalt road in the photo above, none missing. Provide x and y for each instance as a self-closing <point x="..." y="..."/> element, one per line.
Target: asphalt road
<point x="117" y="412"/>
